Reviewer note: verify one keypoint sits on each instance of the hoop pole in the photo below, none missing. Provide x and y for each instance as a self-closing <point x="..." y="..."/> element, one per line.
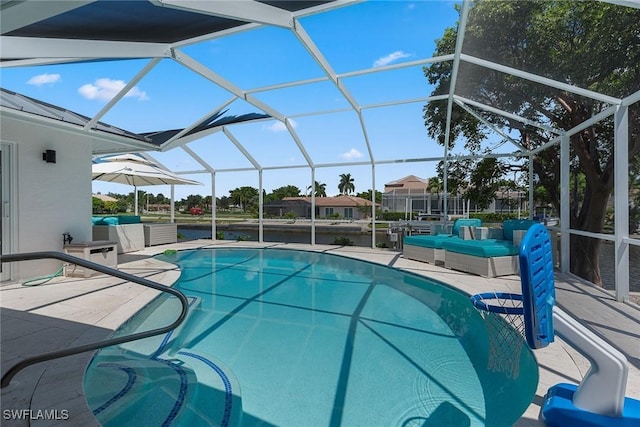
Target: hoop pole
<point x="602" y="390"/>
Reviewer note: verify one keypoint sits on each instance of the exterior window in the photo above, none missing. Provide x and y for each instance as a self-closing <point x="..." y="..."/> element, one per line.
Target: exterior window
<point x="328" y="211"/>
<point x="348" y="212"/>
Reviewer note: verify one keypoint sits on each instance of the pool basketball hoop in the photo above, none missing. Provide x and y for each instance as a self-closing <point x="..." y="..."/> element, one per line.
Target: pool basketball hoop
<point x="599" y="399"/>
<point x="503" y="316"/>
<point x="515" y="320"/>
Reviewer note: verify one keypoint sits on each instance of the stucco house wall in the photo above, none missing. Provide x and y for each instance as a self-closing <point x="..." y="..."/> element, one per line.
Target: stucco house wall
<point x="48" y="199"/>
<point x="323" y="212"/>
<point x="325" y="207"/>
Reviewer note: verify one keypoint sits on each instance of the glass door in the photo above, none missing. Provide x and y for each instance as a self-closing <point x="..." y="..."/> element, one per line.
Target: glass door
<point x="5" y="208"/>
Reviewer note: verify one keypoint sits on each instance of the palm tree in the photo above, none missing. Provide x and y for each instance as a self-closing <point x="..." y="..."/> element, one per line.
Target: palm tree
<point x="320" y="189"/>
<point x="346" y="185"/>
<point x="243" y="196"/>
<point x="435" y="186"/>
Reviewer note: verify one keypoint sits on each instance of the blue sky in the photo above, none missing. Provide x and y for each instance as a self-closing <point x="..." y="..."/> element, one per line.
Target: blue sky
<point x="352" y="38"/>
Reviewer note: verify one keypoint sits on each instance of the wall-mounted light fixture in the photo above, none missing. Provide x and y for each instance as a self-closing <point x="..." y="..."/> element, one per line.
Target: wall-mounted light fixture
<point x="49" y="156"/>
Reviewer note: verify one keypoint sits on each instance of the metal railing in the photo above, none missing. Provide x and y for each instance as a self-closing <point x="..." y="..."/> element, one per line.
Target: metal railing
<point x="6" y="378"/>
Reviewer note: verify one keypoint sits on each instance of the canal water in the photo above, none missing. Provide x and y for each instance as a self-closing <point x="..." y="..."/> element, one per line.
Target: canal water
<point x="323" y="237"/>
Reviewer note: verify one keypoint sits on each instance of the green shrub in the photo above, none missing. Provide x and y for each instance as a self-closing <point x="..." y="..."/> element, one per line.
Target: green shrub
<point x="393" y="216"/>
<point x="382" y="245"/>
<point x="343" y="241"/>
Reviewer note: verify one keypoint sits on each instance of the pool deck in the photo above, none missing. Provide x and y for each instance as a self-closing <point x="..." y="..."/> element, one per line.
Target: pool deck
<point x="67" y="312"/>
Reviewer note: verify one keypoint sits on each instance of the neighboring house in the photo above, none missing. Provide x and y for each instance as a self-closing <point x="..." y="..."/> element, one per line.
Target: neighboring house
<point x="105" y="198"/>
<point x="406" y="184"/>
<point x="507" y="200"/>
<point x="349" y="207"/>
<point x="297" y="205"/>
<point x="411" y="195"/>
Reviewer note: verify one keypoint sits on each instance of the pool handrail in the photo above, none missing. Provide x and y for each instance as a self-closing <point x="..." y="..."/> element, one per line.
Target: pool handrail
<point x="30" y="256"/>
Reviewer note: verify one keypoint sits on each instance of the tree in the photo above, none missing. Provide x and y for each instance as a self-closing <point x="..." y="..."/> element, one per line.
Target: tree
<point x="123" y="204"/>
<point x="592" y="45"/>
<point x="111" y="206"/>
<point x="436" y="186"/>
<point x="192" y="201"/>
<point x="458" y="177"/>
<point x="245" y="197"/>
<point x="485" y="181"/>
<point x="142" y="200"/>
<point x="367" y="195"/>
<point x="320" y="189"/>
<point x="346" y="186"/>
<point x="161" y="199"/>
<point x="207" y="203"/>
<point x="366" y="210"/>
<point x="98" y="205"/>
<point x="224" y="202"/>
<point x="282" y="192"/>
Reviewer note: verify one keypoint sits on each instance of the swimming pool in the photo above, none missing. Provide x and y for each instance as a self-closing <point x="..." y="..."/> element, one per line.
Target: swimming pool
<point x="294" y="338"/>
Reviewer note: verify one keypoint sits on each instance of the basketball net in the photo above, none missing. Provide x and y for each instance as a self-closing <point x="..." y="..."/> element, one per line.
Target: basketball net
<point x="506" y="332"/>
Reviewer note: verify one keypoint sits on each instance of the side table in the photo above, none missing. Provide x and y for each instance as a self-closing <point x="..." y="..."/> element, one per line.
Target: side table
<point x="101" y="252"/>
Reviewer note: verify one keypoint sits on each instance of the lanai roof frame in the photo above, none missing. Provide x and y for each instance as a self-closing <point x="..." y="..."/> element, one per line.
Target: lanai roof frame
<point x="18" y="50"/>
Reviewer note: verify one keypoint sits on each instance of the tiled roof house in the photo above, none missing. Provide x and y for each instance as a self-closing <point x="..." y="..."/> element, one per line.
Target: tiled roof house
<point x="408" y="184"/>
<point x="344" y="205"/>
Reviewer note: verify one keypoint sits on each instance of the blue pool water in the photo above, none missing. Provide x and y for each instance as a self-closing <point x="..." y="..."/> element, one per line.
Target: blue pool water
<point x="292" y="338"/>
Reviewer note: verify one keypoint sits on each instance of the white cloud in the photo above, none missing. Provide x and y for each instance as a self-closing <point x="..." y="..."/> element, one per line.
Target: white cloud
<point x="44" y="79"/>
<point x="392" y="57"/>
<point x="351" y="154"/>
<point x="104" y="89"/>
<point x="278" y="126"/>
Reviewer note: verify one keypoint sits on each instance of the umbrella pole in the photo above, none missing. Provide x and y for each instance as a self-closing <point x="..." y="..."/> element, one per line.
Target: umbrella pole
<point x="173" y="205"/>
<point x="135" y="198"/>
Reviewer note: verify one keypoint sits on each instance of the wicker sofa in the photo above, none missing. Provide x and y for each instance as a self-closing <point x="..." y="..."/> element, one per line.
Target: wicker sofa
<point x="126" y="230"/>
<point x="429" y="248"/>
<point x="497" y="256"/>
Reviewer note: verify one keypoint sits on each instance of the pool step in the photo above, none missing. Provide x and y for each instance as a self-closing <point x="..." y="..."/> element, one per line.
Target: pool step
<point x="214" y="399"/>
<point x="138" y="391"/>
<point x="186" y="388"/>
<point x="160" y="313"/>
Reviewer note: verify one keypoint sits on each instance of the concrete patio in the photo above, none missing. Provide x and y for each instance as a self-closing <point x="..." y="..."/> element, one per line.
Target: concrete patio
<point x="67" y="312"/>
